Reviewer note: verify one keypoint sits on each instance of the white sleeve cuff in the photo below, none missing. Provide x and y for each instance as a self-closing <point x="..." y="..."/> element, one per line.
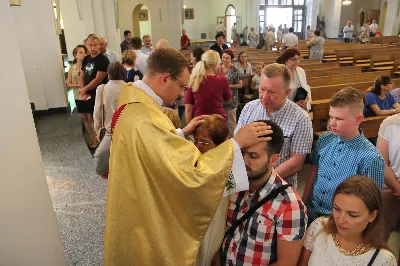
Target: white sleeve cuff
<point x="238" y="180"/>
<point x="180" y="133"/>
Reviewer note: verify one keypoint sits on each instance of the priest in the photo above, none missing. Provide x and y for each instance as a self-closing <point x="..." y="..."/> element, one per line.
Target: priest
<point x="162" y="192"/>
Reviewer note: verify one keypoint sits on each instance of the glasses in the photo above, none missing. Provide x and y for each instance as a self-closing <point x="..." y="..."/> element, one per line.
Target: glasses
<point x="185" y="87"/>
<point x="197" y="142"/>
<point x="294" y="59"/>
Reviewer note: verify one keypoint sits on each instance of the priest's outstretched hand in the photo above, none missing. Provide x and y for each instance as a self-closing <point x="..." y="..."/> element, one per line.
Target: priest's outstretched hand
<point x="194" y="123"/>
<point x="252" y="134"/>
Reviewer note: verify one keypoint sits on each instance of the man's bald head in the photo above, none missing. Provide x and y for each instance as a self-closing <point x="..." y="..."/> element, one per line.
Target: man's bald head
<point x="103" y="44"/>
<point x="163" y="43"/>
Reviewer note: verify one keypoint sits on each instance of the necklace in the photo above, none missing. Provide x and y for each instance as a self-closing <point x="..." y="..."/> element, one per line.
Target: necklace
<point x="360" y="249"/>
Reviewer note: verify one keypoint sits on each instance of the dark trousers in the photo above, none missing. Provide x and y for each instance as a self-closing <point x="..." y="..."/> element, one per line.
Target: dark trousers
<point x="346" y="40"/>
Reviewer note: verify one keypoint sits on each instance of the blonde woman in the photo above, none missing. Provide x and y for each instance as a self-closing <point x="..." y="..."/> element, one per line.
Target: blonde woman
<point x="207" y="90"/>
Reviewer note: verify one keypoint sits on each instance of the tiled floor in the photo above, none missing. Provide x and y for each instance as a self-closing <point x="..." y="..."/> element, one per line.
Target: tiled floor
<point x="79" y="196"/>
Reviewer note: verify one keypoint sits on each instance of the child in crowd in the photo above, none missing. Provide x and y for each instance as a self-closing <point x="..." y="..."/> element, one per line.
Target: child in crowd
<point x="255" y="82"/>
<point x="340" y="153"/>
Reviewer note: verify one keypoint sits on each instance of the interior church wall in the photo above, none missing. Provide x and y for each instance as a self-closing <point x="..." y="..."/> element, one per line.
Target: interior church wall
<point x="40" y="52"/>
<point x="351" y="13"/>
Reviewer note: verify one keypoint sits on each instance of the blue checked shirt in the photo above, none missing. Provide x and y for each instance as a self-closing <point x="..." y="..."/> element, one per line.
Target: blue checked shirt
<point x="337" y="160"/>
<point x="295" y="123"/>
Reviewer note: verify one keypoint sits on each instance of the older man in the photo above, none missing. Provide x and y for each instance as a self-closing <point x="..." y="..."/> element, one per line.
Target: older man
<point x="348" y="32"/>
<point x="274" y="105"/>
<point x="373" y="28"/>
<point x="103" y="47"/>
<point x="162" y="43"/>
<point x="147" y="49"/>
<point x="162" y="192"/>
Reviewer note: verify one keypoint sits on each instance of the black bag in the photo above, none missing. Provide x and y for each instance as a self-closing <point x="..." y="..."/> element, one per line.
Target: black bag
<point x="301" y="94"/>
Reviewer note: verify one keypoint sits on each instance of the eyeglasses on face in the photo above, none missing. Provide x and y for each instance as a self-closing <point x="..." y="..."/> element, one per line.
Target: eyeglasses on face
<point x="197" y="142"/>
<point x="294" y="59"/>
<point x="185" y="87"/>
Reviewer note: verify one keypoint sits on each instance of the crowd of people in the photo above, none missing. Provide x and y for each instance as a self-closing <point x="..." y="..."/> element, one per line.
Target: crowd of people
<point x="175" y="194"/>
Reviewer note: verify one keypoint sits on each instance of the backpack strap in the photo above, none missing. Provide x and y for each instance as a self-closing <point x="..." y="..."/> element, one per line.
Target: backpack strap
<point x="274" y="193"/>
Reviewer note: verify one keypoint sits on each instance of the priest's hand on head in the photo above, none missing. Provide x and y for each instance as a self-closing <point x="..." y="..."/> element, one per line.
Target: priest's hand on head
<point x="194" y="123"/>
<point x="252" y="134"/>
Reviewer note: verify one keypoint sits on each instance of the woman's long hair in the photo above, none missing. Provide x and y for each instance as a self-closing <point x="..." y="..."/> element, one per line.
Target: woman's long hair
<point x="380" y="80"/>
<point x="208" y="60"/>
<point x="368" y="191"/>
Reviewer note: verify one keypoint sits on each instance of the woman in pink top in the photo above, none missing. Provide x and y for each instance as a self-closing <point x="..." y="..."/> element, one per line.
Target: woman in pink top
<point x="208" y="91"/>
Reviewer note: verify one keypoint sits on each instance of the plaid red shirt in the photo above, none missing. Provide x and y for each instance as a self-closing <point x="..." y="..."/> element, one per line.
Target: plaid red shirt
<point x="255" y="241"/>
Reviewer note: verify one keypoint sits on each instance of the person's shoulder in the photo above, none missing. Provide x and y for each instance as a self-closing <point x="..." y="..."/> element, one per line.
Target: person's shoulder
<point x="297" y="110"/>
<point x="385" y="257"/>
<point x="327" y="138"/>
<point x="391" y="121"/>
<point x="251" y="106"/>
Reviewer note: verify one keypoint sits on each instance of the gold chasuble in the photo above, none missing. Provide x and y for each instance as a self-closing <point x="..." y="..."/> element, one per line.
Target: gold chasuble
<point x="162" y="192"/>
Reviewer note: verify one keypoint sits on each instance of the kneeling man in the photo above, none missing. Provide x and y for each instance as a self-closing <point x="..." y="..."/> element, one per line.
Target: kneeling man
<point x="273" y="232"/>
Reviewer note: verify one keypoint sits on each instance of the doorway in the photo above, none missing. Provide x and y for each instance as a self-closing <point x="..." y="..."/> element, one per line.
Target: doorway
<point x="383" y="17"/>
<point x="231" y="20"/>
<point x="279" y="16"/>
<point x="141" y="21"/>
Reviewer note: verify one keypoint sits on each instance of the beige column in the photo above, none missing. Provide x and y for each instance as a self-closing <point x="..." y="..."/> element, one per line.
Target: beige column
<point x="28" y="229"/>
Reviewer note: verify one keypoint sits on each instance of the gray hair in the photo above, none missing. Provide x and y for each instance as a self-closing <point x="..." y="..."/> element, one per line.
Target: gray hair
<point x="278" y="70"/>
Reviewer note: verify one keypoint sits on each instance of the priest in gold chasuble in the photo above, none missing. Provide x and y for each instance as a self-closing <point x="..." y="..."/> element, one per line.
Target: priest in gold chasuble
<point x="162" y="193"/>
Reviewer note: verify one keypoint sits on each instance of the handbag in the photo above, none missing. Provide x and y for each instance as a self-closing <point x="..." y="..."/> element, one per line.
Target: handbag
<point x="301" y="93"/>
<point x="102" y="131"/>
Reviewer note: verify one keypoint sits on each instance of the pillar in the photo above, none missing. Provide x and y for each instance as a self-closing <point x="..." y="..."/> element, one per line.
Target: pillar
<point x="331" y="12"/>
<point x="28" y="227"/>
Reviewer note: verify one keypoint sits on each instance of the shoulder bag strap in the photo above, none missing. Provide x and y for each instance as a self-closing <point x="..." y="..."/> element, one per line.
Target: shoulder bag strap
<point x="102" y="106"/>
<point x="252" y="209"/>
<point x="373" y="257"/>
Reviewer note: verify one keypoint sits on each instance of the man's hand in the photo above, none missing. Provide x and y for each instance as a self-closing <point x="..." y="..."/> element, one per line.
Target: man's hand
<point x="193" y="124"/>
<point x="397" y="195"/>
<point x="82" y="91"/>
<point x="252" y="134"/>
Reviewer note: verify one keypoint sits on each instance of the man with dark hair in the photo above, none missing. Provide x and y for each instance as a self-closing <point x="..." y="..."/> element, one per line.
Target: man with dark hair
<point x="290" y="40"/>
<point x="220" y="45"/>
<point x="141" y="58"/>
<point x="273" y="232"/>
<point x="158" y="180"/>
<point x="126" y="44"/>
<point x="94" y="67"/>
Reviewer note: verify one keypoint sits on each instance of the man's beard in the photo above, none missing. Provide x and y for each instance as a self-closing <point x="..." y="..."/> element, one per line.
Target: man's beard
<point x="259" y="174"/>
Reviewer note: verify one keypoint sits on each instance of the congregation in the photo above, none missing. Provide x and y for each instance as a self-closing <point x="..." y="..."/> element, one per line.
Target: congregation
<point x="226" y="172"/>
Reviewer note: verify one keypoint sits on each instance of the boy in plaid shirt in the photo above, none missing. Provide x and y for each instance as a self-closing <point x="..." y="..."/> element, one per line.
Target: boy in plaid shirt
<point x="274" y="232"/>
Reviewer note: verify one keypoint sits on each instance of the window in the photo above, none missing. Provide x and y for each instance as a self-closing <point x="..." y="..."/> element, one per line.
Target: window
<point x="273" y="2"/>
<point x="298" y="20"/>
<point x="286" y="2"/>
<point x="298" y="2"/>
<point x="262" y="2"/>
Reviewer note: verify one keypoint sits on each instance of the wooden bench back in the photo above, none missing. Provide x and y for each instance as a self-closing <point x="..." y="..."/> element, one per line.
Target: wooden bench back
<point x="345" y="79"/>
<point x="320" y="66"/>
<point x="333" y="71"/>
<point x="370" y="125"/>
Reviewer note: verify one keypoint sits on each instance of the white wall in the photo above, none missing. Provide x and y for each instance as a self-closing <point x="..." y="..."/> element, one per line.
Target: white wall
<point x="40" y="52"/>
<point x="145" y="26"/>
<point x="392" y="24"/>
<point x="97" y="17"/>
<point x="28" y="227"/>
<point x="165" y="19"/>
<point x="207" y="11"/>
<point x="331" y="10"/>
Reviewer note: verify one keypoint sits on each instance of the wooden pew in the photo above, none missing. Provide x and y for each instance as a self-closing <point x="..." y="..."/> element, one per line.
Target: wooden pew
<point x="333" y="71"/>
<point x="383" y="61"/>
<point x="320" y="66"/>
<point x="344" y="79"/>
<point x="370" y="125"/>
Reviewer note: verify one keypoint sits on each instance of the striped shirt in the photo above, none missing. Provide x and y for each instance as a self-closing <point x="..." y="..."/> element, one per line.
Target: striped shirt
<point x="337" y="160"/>
<point x="295" y="123"/>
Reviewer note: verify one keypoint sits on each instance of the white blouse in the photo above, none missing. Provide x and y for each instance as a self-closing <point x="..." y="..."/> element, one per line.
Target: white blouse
<point x="324" y="251"/>
<point x="110" y="93"/>
<point x="249" y="69"/>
